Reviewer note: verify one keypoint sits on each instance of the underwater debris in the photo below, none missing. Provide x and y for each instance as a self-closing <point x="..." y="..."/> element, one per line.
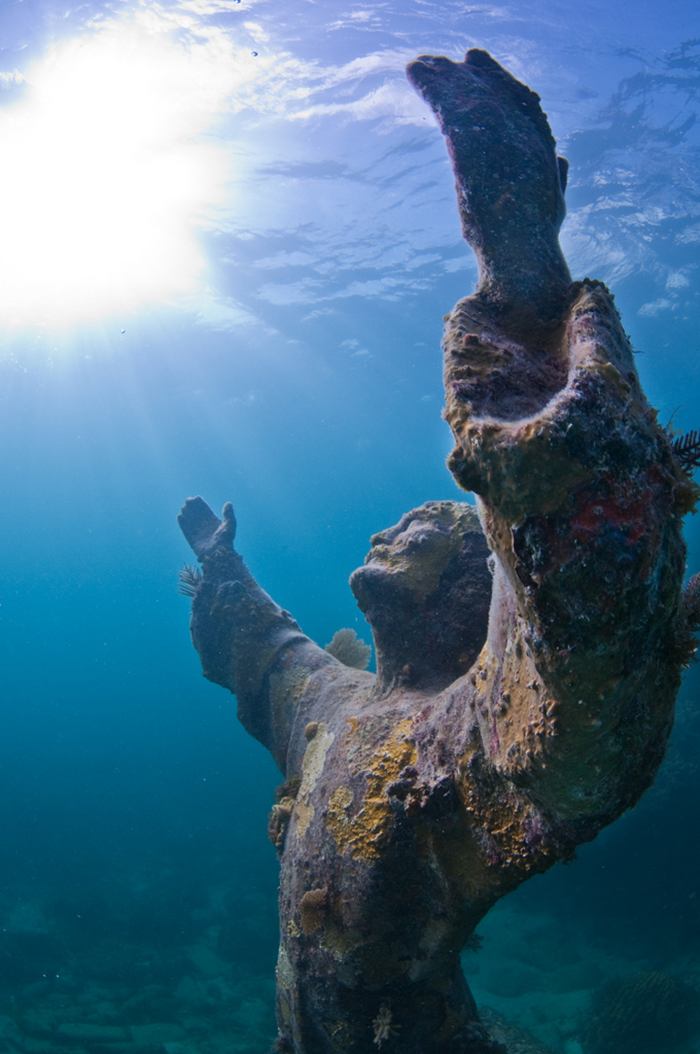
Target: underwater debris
<point x="687" y="449"/>
<point x="507" y="1038"/>
<point x="383" y="1027"/>
<point x="278" y="822"/>
<point x="189" y="580"/>
<point x="646" y="1013"/>
<point x="348" y="648"/>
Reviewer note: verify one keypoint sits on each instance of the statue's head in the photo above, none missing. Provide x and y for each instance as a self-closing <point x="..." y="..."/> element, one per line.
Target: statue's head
<point x="425" y="589"/>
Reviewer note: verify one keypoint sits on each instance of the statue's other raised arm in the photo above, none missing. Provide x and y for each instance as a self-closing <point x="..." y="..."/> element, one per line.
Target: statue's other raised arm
<point x="247" y="642"/>
<point x="581" y="494"/>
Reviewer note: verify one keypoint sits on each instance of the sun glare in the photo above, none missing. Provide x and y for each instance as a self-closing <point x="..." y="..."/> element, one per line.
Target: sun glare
<point x="107" y="177"/>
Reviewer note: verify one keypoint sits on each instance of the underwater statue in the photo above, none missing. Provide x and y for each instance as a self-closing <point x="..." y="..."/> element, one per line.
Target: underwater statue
<point x="528" y="655"/>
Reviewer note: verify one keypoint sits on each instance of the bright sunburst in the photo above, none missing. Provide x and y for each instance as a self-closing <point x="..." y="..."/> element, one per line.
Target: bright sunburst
<point x="106" y="176"/>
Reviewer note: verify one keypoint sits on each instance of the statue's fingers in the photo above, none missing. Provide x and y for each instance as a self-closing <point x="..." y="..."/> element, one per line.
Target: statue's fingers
<point x="198" y="524"/>
<point x="226" y="531"/>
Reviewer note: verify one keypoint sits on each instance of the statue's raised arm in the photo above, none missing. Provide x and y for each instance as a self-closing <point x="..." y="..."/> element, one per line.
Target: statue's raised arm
<point x="581" y="494"/>
<point x="249" y="644"/>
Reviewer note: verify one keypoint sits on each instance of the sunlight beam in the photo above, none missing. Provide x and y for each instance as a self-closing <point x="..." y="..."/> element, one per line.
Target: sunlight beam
<point x="107" y="176"/>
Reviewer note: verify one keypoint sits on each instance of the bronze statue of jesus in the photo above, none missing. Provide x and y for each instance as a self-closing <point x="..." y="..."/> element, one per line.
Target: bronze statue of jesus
<point x="528" y="654"/>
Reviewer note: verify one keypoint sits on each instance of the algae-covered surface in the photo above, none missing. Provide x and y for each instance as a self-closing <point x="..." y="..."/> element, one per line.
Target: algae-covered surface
<point x="228" y="241"/>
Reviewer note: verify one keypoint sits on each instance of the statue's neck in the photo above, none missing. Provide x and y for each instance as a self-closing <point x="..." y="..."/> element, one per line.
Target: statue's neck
<point x="415" y="656"/>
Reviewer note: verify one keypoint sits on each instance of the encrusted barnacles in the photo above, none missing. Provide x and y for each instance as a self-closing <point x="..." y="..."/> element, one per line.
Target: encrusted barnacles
<point x="280" y="815"/>
<point x="501" y="705"/>
<point x="312" y="909"/>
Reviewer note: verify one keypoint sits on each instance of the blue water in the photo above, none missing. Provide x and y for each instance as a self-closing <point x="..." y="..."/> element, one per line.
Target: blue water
<point x="301" y="380"/>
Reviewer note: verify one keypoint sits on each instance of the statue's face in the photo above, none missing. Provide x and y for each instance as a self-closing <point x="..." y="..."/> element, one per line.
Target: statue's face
<point x="407" y="561"/>
<point x="425" y="589"/>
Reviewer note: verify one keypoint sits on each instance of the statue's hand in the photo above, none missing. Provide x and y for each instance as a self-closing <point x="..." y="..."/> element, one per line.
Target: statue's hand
<point x="223" y="589"/>
<point x="510" y="183"/>
<point x="205" y="532"/>
<point x="501" y="146"/>
<point x="534" y="421"/>
<point x="239" y="631"/>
